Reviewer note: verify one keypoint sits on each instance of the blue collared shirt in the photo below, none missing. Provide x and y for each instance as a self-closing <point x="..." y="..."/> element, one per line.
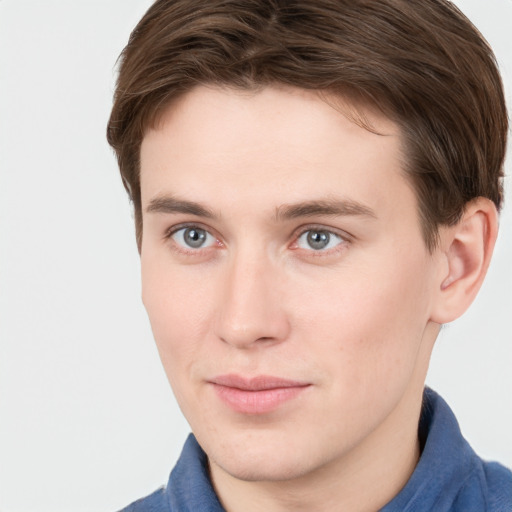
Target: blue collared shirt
<point x="449" y="477"/>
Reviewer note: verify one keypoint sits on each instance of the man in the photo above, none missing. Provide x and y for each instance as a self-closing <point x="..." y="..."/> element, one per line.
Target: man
<point x="315" y="188"/>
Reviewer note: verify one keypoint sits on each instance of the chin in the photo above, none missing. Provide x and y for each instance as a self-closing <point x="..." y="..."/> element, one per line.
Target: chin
<point x="262" y="468"/>
<point x="264" y="455"/>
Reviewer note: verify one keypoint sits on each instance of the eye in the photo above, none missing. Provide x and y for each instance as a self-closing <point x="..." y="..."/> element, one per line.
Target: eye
<point x="318" y="240"/>
<point x="193" y="237"/>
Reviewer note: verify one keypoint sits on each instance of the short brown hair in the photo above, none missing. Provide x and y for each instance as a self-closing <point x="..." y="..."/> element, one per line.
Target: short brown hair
<point x="421" y="62"/>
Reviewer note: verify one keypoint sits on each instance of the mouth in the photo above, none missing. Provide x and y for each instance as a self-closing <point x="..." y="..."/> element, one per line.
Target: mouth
<point x="256" y="395"/>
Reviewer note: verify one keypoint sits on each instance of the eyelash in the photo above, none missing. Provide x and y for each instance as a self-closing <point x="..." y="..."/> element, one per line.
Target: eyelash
<point x="344" y="239"/>
<point x="169" y="234"/>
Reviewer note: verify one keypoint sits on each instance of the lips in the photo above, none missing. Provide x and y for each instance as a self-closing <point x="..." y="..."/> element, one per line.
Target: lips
<point x="257" y="395"/>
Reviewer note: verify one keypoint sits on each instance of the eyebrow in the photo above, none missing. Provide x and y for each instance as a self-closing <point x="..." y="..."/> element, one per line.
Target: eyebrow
<point x="325" y="207"/>
<point x="170" y="204"/>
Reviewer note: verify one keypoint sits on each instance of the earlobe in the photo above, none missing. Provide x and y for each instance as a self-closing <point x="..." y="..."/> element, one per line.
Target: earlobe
<point x="466" y="253"/>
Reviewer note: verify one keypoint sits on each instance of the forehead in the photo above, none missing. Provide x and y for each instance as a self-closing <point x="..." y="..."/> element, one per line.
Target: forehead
<point x="301" y="112"/>
<point x="278" y="144"/>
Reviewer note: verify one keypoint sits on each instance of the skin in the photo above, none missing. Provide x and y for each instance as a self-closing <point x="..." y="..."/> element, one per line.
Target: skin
<point x="356" y="321"/>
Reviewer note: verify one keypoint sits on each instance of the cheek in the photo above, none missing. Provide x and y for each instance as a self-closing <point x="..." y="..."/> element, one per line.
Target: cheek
<point x="179" y="309"/>
<point x="368" y="320"/>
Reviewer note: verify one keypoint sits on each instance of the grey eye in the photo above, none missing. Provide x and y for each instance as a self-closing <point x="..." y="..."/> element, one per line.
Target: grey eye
<point x="318" y="240"/>
<point x="193" y="238"/>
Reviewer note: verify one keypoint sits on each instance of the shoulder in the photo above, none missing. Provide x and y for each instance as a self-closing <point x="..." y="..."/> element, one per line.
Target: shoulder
<point x="488" y="487"/>
<point x="188" y="488"/>
<point x="498" y="480"/>
<point x="155" y="502"/>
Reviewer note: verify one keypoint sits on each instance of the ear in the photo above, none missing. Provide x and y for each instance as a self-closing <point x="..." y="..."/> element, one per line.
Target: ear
<point x="465" y="254"/>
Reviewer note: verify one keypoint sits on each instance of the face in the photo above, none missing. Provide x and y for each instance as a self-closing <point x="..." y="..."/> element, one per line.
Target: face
<point x="285" y="277"/>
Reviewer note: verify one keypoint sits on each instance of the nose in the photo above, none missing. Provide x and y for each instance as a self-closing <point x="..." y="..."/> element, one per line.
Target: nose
<point x="251" y="306"/>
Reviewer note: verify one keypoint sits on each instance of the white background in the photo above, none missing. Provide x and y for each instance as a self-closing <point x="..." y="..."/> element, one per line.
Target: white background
<point x="87" y="422"/>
